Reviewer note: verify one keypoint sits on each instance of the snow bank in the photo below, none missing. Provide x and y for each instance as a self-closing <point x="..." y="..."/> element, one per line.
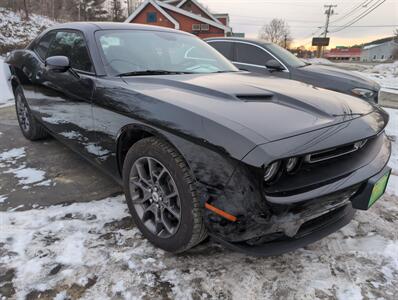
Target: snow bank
<point x="6" y="95"/>
<point x="384" y="74"/>
<point x="319" y="61"/>
<point x="386" y="69"/>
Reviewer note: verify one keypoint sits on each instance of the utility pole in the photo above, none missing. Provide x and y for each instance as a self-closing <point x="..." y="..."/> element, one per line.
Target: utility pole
<point x="328" y="12"/>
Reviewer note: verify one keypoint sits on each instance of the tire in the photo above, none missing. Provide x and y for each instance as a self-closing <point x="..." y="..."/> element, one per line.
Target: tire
<point x="157" y="153"/>
<point x="30" y="127"/>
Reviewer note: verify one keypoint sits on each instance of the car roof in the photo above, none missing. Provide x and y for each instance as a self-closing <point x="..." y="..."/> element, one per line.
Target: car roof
<point x="251" y="40"/>
<point x="95" y="26"/>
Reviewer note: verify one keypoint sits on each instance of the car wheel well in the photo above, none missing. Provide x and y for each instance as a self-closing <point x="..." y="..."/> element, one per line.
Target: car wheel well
<point x="126" y="140"/>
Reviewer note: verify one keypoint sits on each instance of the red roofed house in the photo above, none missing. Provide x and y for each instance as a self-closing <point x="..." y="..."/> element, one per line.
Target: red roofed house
<point x="186" y="15"/>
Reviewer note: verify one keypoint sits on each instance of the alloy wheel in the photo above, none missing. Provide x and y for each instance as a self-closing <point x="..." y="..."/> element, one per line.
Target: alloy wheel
<point x="23" y="113"/>
<point x="155" y="197"/>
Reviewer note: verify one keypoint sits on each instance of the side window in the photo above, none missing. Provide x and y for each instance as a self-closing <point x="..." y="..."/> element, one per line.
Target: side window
<point x="42" y="46"/>
<point x="225" y="48"/>
<point x="72" y="45"/>
<point x="251" y="54"/>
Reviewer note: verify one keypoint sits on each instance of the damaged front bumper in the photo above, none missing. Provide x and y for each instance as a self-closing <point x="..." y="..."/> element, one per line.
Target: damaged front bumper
<point x="305" y="224"/>
<point x="296" y="220"/>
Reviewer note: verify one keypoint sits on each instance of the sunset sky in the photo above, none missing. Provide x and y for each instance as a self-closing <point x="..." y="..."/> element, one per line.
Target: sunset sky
<point x="304" y="16"/>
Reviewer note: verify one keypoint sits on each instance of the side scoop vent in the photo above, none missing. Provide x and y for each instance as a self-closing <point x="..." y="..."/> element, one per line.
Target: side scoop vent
<point x="255" y="97"/>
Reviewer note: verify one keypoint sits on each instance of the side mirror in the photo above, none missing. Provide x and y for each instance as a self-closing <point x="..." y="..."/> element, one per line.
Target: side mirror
<point x="274" y="65"/>
<point x="57" y="64"/>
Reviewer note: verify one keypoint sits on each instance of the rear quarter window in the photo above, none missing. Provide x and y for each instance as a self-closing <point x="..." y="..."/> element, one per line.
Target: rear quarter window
<point x="225" y="48"/>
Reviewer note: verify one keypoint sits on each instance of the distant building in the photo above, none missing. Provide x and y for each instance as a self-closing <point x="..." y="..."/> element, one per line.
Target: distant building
<point x="344" y="54"/>
<point x="379" y="50"/>
<point x="186" y="15"/>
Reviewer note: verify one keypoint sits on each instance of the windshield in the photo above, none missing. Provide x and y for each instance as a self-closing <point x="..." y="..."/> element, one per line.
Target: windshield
<point x="286" y="56"/>
<point x="140" y="51"/>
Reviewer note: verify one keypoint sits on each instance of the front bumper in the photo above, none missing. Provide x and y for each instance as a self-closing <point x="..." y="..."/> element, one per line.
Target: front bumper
<point x="306" y="226"/>
<point x="337" y="221"/>
<point x="285" y="221"/>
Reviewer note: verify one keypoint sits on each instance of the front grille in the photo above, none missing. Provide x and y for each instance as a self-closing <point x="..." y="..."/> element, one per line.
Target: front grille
<point x="334" y="152"/>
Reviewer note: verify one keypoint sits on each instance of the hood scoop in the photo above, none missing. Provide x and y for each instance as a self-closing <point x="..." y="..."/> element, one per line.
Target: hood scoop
<point x="264" y="97"/>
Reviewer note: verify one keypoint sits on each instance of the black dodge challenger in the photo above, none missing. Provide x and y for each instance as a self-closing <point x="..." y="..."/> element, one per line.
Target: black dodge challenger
<point x="263" y="165"/>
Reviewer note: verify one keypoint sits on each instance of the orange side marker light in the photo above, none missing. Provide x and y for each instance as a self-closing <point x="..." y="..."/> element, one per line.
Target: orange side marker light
<point x="220" y="212"/>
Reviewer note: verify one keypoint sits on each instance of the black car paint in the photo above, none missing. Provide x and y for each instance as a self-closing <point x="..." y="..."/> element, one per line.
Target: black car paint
<point x="226" y="126"/>
<point x="322" y="76"/>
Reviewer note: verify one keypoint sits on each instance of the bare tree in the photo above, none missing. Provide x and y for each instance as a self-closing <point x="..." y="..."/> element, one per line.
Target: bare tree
<point x="117" y="11"/>
<point x="277" y="31"/>
<point x="132" y="5"/>
<point x="25" y="8"/>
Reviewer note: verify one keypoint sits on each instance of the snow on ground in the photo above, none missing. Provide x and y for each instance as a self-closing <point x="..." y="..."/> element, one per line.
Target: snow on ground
<point x="6" y="96"/>
<point x="319" y="61"/>
<point x="392" y="131"/>
<point x="25" y="176"/>
<point x="92" y="251"/>
<point x="385" y="74"/>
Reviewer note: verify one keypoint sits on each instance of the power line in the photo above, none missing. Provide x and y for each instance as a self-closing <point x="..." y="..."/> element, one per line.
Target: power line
<point x="263" y="19"/>
<point x="361" y="16"/>
<point x="362" y="4"/>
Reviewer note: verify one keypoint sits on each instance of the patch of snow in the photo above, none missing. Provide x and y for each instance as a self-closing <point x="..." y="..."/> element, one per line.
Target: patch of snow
<point x="26" y="175"/>
<point x="62" y="296"/>
<point x="12" y="155"/>
<point x="392" y="131"/>
<point x="3" y="198"/>
<point x="6" y="96"/>
<point x="71" y="134"/>
<point x="96" y="149"/>
<point x="392" y="187"/>
<point x="74" y="250"/>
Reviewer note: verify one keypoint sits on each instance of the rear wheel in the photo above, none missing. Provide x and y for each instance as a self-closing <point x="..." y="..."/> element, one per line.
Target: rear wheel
<point x="30" y="128"/>
<point x="161" y="196"/>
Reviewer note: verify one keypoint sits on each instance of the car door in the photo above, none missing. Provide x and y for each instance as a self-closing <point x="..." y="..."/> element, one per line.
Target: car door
<point x="64" y="104"/>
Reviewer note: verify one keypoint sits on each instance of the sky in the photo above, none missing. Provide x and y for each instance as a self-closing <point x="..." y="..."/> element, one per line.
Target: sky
<point x="305" y="16"/>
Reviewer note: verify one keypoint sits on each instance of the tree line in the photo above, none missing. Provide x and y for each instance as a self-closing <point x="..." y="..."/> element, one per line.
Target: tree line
<point x="74" y="10"/>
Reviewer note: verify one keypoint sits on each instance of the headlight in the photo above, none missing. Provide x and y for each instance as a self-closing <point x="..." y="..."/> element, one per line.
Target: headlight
<point x="363" y="92"/>
<point x="291" y="164"/>
<point x="271" y="171"/>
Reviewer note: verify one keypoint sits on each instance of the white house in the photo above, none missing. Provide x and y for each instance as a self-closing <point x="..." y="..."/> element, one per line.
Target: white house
<point x="380" y="50"/>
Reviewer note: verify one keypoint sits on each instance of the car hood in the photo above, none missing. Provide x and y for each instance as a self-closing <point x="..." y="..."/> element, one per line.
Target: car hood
<point x="348" y="77"/>
<point x="271" y="107"/>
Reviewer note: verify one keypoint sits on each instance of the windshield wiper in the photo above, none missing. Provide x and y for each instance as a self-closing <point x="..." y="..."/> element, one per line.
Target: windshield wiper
<point x="151" y="72"/>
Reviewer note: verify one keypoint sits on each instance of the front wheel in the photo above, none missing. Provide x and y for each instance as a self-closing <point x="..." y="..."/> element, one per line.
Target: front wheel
<point x="30" y="128"/>
<point x="161" y="196"/>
